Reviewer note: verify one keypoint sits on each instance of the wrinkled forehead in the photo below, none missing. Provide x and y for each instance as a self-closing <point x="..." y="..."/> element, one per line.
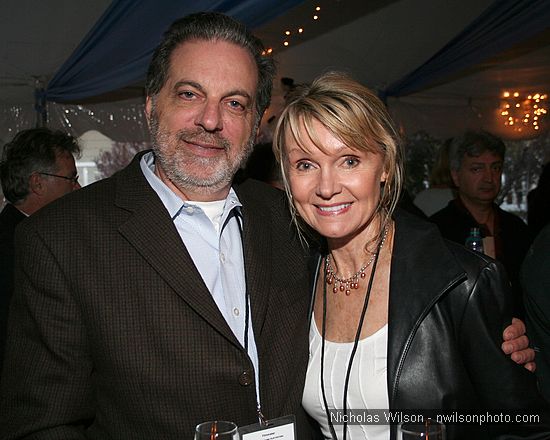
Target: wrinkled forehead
<point x="216" y="59"/>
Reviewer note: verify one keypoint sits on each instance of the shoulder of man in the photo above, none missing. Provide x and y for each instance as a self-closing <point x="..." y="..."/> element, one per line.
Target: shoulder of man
<point x="73" y="210"/>
<point x="511" y="218"/>
<point x="444" y="213"/>
<point x="254" y="194"/>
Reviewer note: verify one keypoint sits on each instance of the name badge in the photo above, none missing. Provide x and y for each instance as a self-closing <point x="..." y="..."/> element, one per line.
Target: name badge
<point x="282" y="428"/>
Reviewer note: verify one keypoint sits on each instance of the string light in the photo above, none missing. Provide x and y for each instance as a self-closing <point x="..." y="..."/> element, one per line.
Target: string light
<point x="287" y="33"/>
<point x="526" y="112"/>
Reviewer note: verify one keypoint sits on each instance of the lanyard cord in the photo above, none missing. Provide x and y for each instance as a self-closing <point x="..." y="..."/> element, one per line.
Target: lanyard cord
<point x="353" y="351"/>
<point x="238" y="217"/>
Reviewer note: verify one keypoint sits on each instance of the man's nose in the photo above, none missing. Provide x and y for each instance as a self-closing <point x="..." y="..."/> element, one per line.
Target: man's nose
<point x="209" y="117"/>
<point x="488" y="174"/>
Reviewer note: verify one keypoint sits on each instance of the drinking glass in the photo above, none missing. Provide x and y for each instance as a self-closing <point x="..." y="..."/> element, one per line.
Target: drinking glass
<point x="429" y="430"/>
<point x="216" y="430"/>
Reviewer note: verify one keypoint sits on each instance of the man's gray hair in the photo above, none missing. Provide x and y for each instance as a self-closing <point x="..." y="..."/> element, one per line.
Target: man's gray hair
<point x="211" y="26"/>
<point x="30" y="151"/>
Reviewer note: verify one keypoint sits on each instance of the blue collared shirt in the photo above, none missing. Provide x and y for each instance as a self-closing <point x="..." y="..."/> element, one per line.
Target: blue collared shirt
<point x="218" y="255"/>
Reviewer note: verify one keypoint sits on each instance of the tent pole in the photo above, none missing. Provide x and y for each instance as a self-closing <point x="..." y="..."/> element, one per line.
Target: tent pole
<point x="40" y="103"/>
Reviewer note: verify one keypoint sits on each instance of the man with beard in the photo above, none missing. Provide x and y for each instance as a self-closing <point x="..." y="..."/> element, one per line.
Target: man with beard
<point x="163" y="296"/>
<point x="476" y="161"/>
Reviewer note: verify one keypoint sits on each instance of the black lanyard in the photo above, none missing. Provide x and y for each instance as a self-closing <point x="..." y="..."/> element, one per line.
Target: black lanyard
<point x="239" y="218"/>
<point x="355" y="344"/>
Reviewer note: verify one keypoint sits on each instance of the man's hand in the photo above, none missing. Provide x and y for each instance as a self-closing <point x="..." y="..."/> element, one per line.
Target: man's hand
<point x="516" y="344"/>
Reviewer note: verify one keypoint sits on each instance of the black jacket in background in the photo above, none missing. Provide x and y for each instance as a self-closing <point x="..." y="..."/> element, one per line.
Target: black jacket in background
<point x="454" y="222"/>
<point x="10" y="217"/>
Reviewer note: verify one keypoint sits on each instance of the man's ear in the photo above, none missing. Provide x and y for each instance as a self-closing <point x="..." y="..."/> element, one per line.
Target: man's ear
<point x="148" y="109"/>
<point x="454" y="176"/>
<point x="36" y="184"/>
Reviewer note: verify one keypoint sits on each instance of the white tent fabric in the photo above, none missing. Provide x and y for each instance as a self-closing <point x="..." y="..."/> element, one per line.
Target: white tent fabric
<point x="388" y="41"/>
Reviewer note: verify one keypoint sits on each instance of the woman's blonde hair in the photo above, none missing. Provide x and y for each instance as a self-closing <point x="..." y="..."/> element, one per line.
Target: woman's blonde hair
<point x="354" y="115"/>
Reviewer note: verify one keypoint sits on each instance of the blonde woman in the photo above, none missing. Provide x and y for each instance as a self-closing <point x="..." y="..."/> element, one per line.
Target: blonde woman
<point x="401" y="318"/>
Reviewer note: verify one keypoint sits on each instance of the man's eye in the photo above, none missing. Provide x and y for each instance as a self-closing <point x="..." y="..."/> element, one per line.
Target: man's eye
<point x="186" y="94"/>
<point x="236" y="105"/>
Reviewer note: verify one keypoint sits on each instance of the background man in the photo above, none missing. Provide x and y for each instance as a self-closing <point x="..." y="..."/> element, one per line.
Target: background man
<point x="37" y="167"/>
<point x="476" y="161"/>
<point x="165" y="297"/>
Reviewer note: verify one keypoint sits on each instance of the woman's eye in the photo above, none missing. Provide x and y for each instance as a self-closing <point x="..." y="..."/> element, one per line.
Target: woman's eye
<point x="351" y="161"/>
<point x="303" y="166"/>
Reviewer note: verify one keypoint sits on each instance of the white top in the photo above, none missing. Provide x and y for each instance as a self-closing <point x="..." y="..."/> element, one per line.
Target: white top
<point x="213" y="210"/>
<point x="367" y="388"/>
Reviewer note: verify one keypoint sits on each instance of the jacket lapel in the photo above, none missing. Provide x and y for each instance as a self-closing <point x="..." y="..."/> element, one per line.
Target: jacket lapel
<point x="258" y="262"/>
<point x="422" y="270"/>
<point x="151" y="231"/>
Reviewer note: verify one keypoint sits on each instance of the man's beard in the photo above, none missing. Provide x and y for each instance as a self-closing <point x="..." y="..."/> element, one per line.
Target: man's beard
<point x="178" y="163"/>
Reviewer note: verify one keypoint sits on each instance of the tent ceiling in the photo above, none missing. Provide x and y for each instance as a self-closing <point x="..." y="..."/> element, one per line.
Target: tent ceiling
<point x="36" y="37"/>
<point x="378" y="41"/>
<point x="381" y="44"/>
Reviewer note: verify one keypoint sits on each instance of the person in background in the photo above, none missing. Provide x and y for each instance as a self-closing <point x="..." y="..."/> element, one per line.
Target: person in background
<point x="440" y="192"/>
<point x="37" y="167"/>
<point x="476" y="161"/>
<point x="165" y="296"/>
<point x="262" y="166"/>
<point x="401" y="318"/>
<point x="535" y="280"/>
<point x="538" y="203"/>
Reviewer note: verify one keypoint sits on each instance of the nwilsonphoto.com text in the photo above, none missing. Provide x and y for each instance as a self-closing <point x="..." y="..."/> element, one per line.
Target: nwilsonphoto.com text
<point x="450" y="417"/>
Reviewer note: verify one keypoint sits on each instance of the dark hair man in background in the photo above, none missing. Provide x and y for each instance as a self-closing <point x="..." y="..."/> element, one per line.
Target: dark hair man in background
<point x="476" y="161"/>
<point x="37" y="167"/>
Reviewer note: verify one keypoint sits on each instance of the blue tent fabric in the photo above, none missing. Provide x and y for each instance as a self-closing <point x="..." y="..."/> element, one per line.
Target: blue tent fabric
<point x="503" y="24"/>
<point x="117" y="50"/>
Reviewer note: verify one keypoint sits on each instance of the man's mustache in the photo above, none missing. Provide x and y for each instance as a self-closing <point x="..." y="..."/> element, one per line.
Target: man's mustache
<point x="204" y="137"/>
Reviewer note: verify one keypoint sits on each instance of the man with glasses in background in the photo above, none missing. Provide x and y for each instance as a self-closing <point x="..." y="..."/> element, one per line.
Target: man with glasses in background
<point x="37" y="167"/>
